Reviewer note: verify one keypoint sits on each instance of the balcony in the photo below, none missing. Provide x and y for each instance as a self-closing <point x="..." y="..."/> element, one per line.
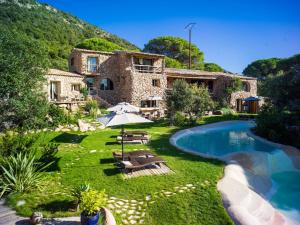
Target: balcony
<point x="147" y="69"/>
<point x="92" y="69"/>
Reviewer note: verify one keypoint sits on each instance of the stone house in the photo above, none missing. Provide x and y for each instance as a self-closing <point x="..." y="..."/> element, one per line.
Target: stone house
<point x="141" y="79"/>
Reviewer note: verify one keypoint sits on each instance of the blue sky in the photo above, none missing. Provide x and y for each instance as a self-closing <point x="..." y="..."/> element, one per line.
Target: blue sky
<point x="231" y="33"/>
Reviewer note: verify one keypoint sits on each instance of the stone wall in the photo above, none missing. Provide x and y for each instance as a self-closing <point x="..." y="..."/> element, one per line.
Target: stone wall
<point x="64" y="85"/>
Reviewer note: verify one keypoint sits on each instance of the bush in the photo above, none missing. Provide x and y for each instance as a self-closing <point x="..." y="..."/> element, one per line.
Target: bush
<point x="85" y="92"/>
<point x="179" y="119"/>
<point x="227" y="111"/>
<point x="19" y="173"/>
<point x="77" y="192"/>
<point x="58" y="116"/>
<point x="92" y="108"/>
<point x="91" y="201"/>
<point x="12" y="143"/>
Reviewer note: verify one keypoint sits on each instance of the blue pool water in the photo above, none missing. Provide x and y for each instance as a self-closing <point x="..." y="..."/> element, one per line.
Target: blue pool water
<point x="224" y="140"/>
<point x="235" y="137"/>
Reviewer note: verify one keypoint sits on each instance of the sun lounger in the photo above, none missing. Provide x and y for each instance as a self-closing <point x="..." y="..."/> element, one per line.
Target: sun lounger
<point x="141" y="163"/>
<point x="133" y="154"/>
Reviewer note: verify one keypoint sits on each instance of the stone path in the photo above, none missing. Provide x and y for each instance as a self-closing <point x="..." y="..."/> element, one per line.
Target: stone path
<point x="9" y="216"/>
<point x="132" y="211"/>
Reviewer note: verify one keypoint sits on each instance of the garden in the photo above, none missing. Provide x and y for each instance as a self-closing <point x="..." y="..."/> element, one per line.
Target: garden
<point x="188" y="195"/>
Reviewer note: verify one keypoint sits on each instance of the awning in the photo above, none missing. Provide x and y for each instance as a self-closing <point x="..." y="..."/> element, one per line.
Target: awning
<point x="155" y="98"/>
<point x="251" y="98"/>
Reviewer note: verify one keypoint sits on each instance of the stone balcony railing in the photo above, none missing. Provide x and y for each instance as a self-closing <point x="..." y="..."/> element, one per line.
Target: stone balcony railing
<point x="147" y="69"/>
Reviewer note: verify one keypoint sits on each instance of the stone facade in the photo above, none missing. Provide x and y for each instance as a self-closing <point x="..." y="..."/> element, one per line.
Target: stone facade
<point x="141" y="79"/>
<point x="65" y="82"/>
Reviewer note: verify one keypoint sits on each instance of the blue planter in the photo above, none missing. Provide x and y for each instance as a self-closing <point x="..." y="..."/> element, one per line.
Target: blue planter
<point x="89" y="220"/>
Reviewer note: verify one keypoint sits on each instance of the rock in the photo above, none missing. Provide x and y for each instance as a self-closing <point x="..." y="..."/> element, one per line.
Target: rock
<point x="83" y="127"/>
<point x="65" y="130"/>
<point x="21" y="202"/>
<point x="189" y="185"/>
<point x="75" y="128"/>
<point x="148" y="198"/>
<point x="36" y="218"/>
<point x="141" y="221"/>
<point x="120" y="203"/>
<point x="93" y="151"/>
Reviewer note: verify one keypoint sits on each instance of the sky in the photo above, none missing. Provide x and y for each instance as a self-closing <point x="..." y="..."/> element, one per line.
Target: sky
<point x="231" y="33"/>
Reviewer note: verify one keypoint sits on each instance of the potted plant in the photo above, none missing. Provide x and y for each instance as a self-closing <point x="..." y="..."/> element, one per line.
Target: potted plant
<point x="90" y="204"/>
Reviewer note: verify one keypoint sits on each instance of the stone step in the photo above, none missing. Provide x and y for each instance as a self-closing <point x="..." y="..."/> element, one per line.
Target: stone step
<point x="12" y="220"/>
<point x="6" y="213"/>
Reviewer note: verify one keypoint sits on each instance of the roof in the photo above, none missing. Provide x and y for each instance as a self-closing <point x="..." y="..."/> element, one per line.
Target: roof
<point x="201" y="73"/>
<point x="63" y="73"/>
<point x="141" y="53"/>
<point x="92" y="51"/>
<point x="118" y="52"/>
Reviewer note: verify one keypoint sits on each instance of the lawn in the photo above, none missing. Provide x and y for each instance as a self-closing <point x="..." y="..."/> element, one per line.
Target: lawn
<point x="87" y="158"/>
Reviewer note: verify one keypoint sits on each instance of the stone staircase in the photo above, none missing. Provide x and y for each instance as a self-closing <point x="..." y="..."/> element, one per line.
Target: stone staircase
<point x="9" y="216"/>
<point x="101" y="101"/>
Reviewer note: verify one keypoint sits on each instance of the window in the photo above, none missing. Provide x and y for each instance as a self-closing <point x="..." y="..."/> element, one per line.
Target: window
<point x="156" y="83"/>
<point x="106" y="84"/>
<point x="149" y="104"/>
<point x="72" y="61"/>
<point x="92" y="64"/>
<point x="90" y="82"/>
<point x="143" y="65"/>
<point x="142" y="61"/>
<point x="246" y="86"/>
<point x="75" y="87"/>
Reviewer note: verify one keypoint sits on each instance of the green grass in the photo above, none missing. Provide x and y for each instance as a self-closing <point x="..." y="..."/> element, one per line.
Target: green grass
<point x="76" y="165"/>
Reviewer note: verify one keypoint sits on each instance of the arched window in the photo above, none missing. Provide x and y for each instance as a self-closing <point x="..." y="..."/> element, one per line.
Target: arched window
<point x="246" y="86"/>
<point x="106" y="84"/>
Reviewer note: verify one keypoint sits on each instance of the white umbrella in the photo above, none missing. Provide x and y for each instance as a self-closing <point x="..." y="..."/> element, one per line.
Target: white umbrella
<point x="121" y="118"/>
<point x="123" y="106"/>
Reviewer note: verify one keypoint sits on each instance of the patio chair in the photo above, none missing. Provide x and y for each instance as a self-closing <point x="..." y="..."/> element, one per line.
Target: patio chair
<point x="133" y="154"/>
<point x="141" y="163"/>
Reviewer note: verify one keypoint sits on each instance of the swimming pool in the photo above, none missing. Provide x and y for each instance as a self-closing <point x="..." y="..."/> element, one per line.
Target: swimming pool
<point x="261" y="160"/>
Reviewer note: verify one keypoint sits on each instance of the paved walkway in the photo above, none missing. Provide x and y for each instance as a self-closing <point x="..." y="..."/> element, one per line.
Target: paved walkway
<point x="9" y="216"/>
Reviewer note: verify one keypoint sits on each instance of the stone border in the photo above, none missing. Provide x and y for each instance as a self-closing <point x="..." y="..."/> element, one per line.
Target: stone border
<point x="237" y="195"/>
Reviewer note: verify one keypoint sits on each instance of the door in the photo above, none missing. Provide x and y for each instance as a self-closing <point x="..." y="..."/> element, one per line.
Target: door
<point x="53" y="91"/>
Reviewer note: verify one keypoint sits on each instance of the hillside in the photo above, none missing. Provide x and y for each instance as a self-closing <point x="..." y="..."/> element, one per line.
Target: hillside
<point x="58" y="31"/>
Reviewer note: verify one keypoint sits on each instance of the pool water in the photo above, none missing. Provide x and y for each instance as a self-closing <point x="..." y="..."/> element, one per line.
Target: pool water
<point x="221" y="141"/>
<point x="224" y="140"/>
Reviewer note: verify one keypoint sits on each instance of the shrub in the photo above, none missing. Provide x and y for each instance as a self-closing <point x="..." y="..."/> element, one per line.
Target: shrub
<point x="12" y="143"/>
<point x="20" y="173"/>
<point x="92" y="108"/>
<point x="227" y="111"/>
<point x="91" y="201"/>
<point x="179" y="119"/>
<point x="78" y="190"/>
<point x="85" y="92"/>
<point x="57" y="116"/>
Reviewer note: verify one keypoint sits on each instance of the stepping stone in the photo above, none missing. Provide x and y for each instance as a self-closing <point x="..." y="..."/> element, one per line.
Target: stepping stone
<point x="113" y="198"/>
<point x="130" y="212"/>
<point x="120" y="203"/>
<point x="141" y="221"/>
<point x="189" y="185"/>
<point x="111" y="206"/>
<point x="118" y="211"/>
<point x="92" y="151"/>
<point x="181" y="191"/>
<point x="133" y="201"/>
<point x="133" y="222"/>
<point x="148" y="198"/>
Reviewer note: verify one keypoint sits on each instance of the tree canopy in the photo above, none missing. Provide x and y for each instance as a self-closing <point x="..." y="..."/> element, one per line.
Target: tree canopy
<point x="192" y="100"/>
<point x="213" y="67"/>
<point x="176" y="48"/>
<point x="99" y="44"/>
<point x="22" y="70"/>
<point x="60" y="32"/>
